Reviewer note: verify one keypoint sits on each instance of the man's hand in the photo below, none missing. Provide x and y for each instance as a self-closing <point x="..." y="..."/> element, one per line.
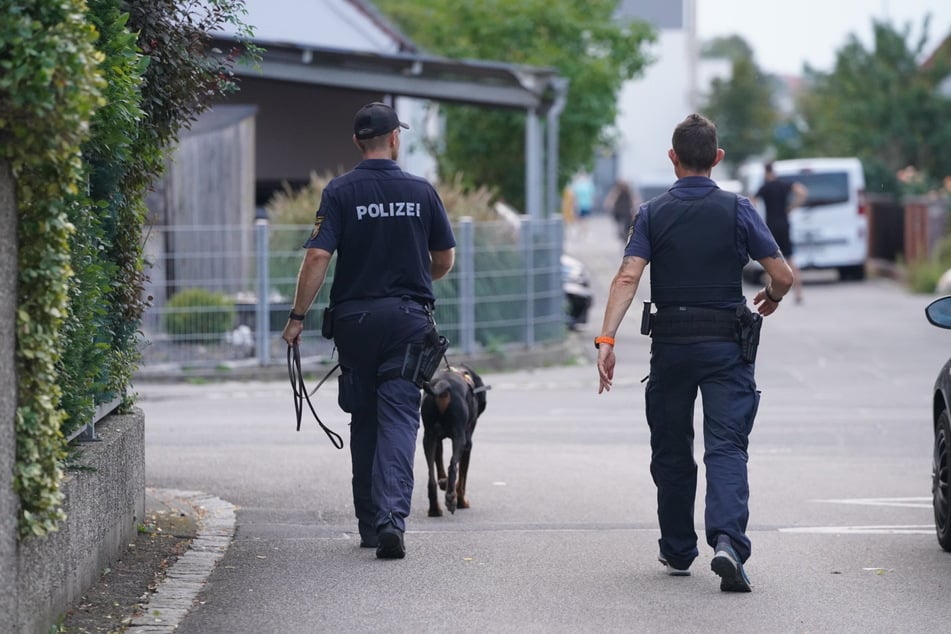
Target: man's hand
<point x="764" y="305"/>
<point x="292" y="331"/>
<point x="606" y="361"/>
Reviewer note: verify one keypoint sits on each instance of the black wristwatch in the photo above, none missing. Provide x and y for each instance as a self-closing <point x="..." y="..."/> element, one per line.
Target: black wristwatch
<point x="294" y="316"/>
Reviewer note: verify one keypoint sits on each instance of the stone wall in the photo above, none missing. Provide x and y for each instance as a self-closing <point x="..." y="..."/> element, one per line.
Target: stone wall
<point x="9" y="504"/>
<point x="105" y="502"/>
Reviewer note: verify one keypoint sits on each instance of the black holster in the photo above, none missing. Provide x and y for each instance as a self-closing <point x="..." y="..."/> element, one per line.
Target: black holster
<point x="647" y="319"/>
<point x="422" y="359"/>
<point x="327" y="323"/>
<point x="748" y="327"/>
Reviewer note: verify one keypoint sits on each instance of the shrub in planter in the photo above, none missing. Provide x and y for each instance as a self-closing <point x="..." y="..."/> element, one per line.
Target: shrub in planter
<point x="199" y="315"/>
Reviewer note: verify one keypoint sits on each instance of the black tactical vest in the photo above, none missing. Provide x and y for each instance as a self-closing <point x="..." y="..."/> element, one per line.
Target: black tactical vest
<point x="694" y="256"/>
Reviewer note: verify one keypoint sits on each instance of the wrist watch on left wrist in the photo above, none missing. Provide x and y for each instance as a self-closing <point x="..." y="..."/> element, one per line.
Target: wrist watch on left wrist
<point x="295" y="316"/>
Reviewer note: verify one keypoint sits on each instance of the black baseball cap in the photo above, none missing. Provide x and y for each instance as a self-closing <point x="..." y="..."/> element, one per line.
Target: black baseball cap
<point x="375" y="119"/>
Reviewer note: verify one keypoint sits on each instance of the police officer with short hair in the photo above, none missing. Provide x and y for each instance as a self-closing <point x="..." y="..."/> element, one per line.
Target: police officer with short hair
<point x="697" y="239"/>
<point x="392" y="237"/>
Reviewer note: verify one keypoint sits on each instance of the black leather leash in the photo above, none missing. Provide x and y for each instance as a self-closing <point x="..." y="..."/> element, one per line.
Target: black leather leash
<point x="301" y="395"/>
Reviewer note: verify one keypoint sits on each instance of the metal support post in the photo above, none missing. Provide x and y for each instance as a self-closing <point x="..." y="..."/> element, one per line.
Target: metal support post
<point x="466" y="273"/>
<point x="263" y="305"/>
<point x="527" y="238"/>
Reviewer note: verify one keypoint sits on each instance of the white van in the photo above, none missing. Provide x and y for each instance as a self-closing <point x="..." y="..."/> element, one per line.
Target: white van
<point x="830" y="230"/>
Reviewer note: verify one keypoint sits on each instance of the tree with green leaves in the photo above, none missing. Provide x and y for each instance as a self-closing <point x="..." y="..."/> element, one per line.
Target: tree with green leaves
<point x="580" y="38"/>
<point x="882" y="105"/>
<point x="741" y="106"/>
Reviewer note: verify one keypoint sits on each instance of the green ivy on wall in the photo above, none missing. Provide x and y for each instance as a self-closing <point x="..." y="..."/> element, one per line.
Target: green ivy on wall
<point x="49" y="89"/>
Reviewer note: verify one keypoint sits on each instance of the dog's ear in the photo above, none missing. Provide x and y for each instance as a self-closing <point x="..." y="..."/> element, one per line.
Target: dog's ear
<point x="428" y="388"/>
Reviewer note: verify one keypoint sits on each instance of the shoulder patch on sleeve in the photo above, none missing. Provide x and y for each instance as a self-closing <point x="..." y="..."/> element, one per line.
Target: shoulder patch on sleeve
<point x="319" y="220"/>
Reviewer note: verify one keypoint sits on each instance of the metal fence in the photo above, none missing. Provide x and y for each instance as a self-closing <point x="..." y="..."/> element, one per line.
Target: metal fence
<point x="221" y="295"/>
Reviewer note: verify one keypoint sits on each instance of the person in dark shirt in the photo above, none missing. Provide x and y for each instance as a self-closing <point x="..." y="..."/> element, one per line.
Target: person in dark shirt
<point x="392" y="238"/>
<point x="697" y="238"/>
<point x="621" y="204"/>
<point x="779" y="197"/>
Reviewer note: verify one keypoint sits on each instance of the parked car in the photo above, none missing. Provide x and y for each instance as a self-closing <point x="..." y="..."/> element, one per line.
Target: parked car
<point x="939" y="314"/>
<point x="830" y="229"/>
<point x="577" y="287"/>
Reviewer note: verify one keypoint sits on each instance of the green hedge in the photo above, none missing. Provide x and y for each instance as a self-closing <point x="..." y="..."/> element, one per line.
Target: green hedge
<point x="92" y="96"/>
<point x="49" y="88"/>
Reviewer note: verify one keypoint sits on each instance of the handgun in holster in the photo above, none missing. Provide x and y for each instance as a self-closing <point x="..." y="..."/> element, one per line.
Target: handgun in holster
<point x="422" y="359"/>
<point x="748" y="325"/>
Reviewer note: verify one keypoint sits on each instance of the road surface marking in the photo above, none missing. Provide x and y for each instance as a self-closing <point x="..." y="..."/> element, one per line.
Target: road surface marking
<point x="913" y="529"/>
<point x="911" y="503"/>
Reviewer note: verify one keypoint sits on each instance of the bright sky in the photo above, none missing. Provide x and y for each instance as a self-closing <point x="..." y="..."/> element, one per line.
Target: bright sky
<point x="785" y="35"/>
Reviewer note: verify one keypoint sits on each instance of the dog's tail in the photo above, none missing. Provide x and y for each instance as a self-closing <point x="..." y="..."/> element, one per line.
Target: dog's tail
<point x="441" y="392"/>
<point x="439" y="387"/>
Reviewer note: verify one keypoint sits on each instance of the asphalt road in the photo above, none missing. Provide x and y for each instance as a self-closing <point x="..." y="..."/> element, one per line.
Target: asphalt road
<point x="562" y="534"/>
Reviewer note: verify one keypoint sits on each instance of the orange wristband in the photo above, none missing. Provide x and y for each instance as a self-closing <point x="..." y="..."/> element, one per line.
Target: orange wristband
<point x="599" y="340"/>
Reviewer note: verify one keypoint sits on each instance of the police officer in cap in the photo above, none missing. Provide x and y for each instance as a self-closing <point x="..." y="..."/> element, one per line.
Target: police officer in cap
<point x="697" y="239"/>
<point x="392" y="237"/>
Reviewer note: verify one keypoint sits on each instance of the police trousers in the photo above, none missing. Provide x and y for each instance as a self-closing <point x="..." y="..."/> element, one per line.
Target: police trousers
<point x="371" y="338"/>
<point x="730" y="399"/>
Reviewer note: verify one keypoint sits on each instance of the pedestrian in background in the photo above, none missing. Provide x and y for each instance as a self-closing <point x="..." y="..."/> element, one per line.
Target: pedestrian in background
<point x="392" y="238"/>
<point x="780" y="197"/>
<point x="582" y="189"/>
<point x="697" y="239"/>
<point x="568" y="206"/>
<point x="621" y="203"/>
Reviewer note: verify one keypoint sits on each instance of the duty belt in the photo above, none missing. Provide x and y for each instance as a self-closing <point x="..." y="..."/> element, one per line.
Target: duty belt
<point x="679" y="323"/>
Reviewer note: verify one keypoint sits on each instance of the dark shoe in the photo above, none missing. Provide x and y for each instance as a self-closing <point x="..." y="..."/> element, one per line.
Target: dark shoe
<point x="671" y="570"/>
<point x="366" y="544"/>
<point x="727" y="565"/>
<point x="390" y="543"/>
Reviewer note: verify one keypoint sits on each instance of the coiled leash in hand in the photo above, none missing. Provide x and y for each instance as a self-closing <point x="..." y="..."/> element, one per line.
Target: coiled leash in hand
<point x="301" y="395"/>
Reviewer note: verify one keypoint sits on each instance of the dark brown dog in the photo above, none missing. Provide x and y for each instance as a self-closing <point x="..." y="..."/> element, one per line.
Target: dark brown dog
<point x="453" y="401"/>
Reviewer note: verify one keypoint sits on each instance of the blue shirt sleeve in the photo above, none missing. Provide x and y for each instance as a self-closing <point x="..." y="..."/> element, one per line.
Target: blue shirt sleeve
<point x="639" y="243"/>
<point x="326" y="232"/>
<point x="754" y="233"/>
<point x="441" y="237"/>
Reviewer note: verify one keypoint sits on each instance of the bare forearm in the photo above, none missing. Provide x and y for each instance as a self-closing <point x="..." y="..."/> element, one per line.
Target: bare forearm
<point x="311" y="277"/>
<point x="441" y="262"/>
<point x="623" y="288"/>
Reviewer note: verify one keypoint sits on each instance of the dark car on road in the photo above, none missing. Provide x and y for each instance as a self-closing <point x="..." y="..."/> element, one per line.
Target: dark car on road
<point x="939" y="314"/>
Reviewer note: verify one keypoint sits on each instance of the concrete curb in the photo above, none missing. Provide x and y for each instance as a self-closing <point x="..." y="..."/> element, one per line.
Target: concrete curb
<point x="176" y="594"/>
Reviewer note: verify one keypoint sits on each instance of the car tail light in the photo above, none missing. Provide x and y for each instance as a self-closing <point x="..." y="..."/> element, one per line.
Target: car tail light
<point x="863" y="204"/>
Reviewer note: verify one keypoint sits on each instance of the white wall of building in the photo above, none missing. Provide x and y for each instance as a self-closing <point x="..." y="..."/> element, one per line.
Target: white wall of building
<point x="650" y="107"/>
<point x="671" y="88"/>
